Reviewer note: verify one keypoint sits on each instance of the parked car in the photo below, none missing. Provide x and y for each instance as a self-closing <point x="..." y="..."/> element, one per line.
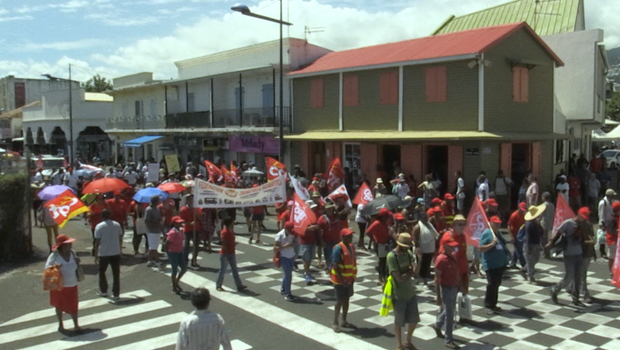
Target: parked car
<point x="612" y="157"/>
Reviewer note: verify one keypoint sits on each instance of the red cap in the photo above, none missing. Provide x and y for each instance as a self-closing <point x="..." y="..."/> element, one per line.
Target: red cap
<point x="399" y="216"/>
<point x="436" y="201"/>
<point x="315" y="179"/>
<point x="346" y="232"/>
<point x="436" y="209"/>
<point x="62" y="239"/>
<point x="615" y="206"/>
<point x="492" y="202"/>
<point x="177" y="220"/>
<point x="430" y="212"/>
<point x="495" y="219"/>
<point x="448" y="196"/>
<point x="255" y="185"/>
<point x="289" y="225"/>
<point x="585" y="213"/>
<point x="523" y="206"/>
<point x="384" y="212"/>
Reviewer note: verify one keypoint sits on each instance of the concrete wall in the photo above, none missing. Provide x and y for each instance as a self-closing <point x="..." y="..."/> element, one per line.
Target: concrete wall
<point x="34" y="89"/>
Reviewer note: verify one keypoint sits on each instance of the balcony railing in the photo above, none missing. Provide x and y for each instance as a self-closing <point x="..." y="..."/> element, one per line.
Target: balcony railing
<point x="137" y="122"/>
<point x="229" y="118"/>
<point x="188" y="120"/>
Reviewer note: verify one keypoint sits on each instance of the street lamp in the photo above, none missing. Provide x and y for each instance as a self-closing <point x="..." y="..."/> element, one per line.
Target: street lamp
<point x="246" y="11"/>
<point x="48" y="76"/>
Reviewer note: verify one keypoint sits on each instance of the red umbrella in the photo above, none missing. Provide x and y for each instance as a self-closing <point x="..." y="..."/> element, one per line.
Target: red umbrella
<point x="107" y="184"/>
<point x="172" y="187"/>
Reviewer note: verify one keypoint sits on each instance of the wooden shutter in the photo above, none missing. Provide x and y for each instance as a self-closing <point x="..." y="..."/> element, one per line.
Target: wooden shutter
<point x="505" y="161"/>
<point x="441" y="84"/>
<point x="388" y="86"/>
<point x="316" y="93"/>
<point x="431" y="87"/>
<point x="351" y="90"/>
<point x="369" y="159"/>
<point x="524" y="83"/>
<point x="516" y="86"/>
<point x="20" y="94"/>
<point x="536" y="158"/>
<point x="455" y="163"/>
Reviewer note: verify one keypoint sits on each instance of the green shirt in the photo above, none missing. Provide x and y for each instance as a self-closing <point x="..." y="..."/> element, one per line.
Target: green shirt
<point x="400" y="262"/>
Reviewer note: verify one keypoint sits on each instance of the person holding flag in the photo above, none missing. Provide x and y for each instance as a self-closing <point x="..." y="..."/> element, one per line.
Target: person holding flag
<point x="492" y="245"/>
<point x="308" y="237"/>
<point x="331" y="227"/>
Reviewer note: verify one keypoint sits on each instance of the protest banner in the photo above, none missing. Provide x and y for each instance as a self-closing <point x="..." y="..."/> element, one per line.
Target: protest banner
<point x="210" y="195"/>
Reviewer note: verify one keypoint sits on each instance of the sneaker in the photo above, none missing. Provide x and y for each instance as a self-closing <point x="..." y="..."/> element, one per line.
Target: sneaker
<point x="161" y="266"/>
<point x="578" y="303"/>
<point x="308" y="280"/>
<point x="451" y="345"/>
<point x="102" y="294"/>
<point x="151" y="264"/>
<point x="281" y="291"/>
<point x="116" y="299"/>
<point x="588" y="300"/>
<point x="554" y="296"/>
<point x="437" y="331"/>
<point x="290" y="298"/>
<point x="242" y="288"/>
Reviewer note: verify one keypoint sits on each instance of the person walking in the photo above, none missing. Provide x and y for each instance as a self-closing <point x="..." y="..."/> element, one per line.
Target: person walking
<point x="502" y="188"/>
<point x="589" y="253"/>
<point x="343" y="274"/>
<point x="66" y="299"/>
<point x="546" y="221"/>
<point x="573" y="255"/>
<point x="401" y="266"/>
<point x="153" y="221"/>
<point x="492" y="245"/>
<point x="108" y="242"/>
<point x="532" y="192"/>
<point x="330" y="227"/>
<point x="447" y="281"/>
<point x="228" y="256"/>
<point x="173" y="246"/>
<point x="285" y="245"/>
<point x="51" y="227"/>
<point x="380" y="233"/>
<point x="362" y="224"/>
<point x="202" y="329"/>
<point x="460" y="192"/>
<point x="532" y="239"/>
<point x="517" y="219"/>
<point x="456" y="234"/>
<point x="308" y="243"/>
<point x="191" y="227"/>
<point x="425" y="236"/>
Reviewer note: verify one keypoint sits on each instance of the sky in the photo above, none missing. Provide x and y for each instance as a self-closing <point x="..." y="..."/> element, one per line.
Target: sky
<point x="119" y="37"/>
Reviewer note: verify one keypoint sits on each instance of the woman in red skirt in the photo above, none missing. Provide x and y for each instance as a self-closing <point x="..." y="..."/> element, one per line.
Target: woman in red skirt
<point x="65" y="300"/>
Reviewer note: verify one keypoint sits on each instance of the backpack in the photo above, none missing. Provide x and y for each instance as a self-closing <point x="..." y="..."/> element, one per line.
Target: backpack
<point x="521" y="233"/>
<point x="52" y="278"/>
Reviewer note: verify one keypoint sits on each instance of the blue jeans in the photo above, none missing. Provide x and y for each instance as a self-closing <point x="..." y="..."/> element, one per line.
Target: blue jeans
<point x="287" y="268"/>
<point x="327" y="253"/>
<point x="225" y="260"/>
<point x="448" y="297"/>
<point x="176" y="260"/>
<point x="518" y="255"/>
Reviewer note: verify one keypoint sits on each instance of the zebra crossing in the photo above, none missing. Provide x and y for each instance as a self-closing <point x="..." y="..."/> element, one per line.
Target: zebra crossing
<point x="138" y="321"/>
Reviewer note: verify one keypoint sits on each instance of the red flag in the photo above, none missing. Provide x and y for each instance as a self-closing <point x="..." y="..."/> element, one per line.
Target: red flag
<point x="215" y="174"/>
<point x="340" y="191"/>
<point x="229" y="176"/>
<point x="274" y="168"/>
<point x="40" y="162"/>
<point x="299" y="189"/>
<point x="302" y="215"/>
<point x="615" y="280"/>
<point x="477" y="222"/>
<point x="364" y="195"/>
<point x="234" y="169"/>
<point x="64" y="207"/>
<point x="563" y="212"/>
<point x="334" y="174"/>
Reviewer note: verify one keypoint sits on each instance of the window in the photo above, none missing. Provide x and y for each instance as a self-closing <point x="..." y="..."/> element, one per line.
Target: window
<point x="350" y="90"/>
<point x="124" y="111"/>
<point x="388" y="86"/>
<point x="352" y="156"/>
<point x="436" y="84"/>
<point x="190" y="102"/>
<point x="520" y="84"/>
<point x="559" y="151"/>
<point x="20" y="94"/>
<point x="316" y="93"/>
<point x="153" y="106"/>
<point x="138" y="107"/>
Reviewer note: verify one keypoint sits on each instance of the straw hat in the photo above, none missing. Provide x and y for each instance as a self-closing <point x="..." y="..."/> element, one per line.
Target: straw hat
<point x="534" y="211"/>
<point x="404" y="240"/>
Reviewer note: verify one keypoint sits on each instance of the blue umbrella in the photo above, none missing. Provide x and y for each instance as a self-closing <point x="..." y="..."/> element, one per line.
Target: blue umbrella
<point x="145" y="194"/>
<point x="51" y="192"/>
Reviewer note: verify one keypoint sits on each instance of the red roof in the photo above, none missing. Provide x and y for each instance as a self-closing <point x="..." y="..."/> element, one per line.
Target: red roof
<point x="468" y="42"/>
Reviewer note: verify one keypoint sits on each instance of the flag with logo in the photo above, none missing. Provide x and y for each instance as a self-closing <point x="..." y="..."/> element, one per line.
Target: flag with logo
<point x="274" y="168"/>
<point x="334" y="174"/>
<point x="64" y="207"/>
<point x="299" y="188"/>
<point x="234" y="169"/>
<point x="229" y="176"/>
<point x="338" y="192"/>
<point x="477" y="222"/>
<point x="563" y="212"/>
<point x="364" y="195"/>
<point x="215" y="174"/>
<point x="302" y="216"/>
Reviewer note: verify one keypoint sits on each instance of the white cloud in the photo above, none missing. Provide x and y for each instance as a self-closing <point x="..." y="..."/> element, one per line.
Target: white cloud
<point x="15" y="18"/>
<point x="60" y="45"/>
<point x="3" y="11"/>
<point x="119" y="20"/>
<point x="81" y="71"/>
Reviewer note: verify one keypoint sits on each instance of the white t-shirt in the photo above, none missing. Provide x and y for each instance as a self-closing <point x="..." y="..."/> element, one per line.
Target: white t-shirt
<point x="483" y="191"/>
<point x="131" y="177"/>
<point x="67" y="268"/>
<point x="501" y="185"/>
<point x="460" y="190"/>
<point x="289" y="252"/>
<point x="532" y="194"/>
<point x="108" y="232"/>
<point x="562" y="189"/>
<point x="358" y="216"/>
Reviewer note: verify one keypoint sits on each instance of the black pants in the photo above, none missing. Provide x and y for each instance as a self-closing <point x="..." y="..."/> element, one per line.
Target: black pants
<point x="425" y="265"/>
<point x="494" y="280"/>
<point x="114" y="262"/>
<point x="362" y="227"/>
<point x="191" y="237"/>
<point x="137" y="239"/>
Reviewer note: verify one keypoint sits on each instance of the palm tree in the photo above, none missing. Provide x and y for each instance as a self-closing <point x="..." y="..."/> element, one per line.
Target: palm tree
<point x="97" y="84"/>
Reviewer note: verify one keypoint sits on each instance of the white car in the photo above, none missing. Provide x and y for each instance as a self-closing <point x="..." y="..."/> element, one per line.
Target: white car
<point x="612" y="156"/>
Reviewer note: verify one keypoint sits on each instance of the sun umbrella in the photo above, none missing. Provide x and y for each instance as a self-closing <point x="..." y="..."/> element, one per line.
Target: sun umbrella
<point x="84" y="172"/>
<point x="107" y="184"/>
<point x="172" y="187"/>
<point x="253" y="172"/>
<point x="145" y="194"/>
<point x="390" y="202"/>
<point x="51" y="192"/>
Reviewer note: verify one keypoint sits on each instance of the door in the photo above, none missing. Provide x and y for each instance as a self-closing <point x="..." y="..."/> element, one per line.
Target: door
<point x="455" y="154"/>
<point x="437" y="165"/>
<point x="391" y="160"/>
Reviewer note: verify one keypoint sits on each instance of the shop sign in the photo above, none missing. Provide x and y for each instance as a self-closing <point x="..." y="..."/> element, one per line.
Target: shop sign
<point x="473" y="151"/>
<point x="254" y="144"/>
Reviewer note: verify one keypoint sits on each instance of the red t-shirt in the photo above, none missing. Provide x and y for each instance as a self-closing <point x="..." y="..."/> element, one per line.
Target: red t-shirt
<point x="331" y="228"/>
<point x="517" y="219"/>
<point x="166" y="213"/>
<point x="176" y="239"/>
<point x="596" y="164"/>
<point x="284" y="216"/>
<point x="118" y="209"/>
<point x="461" y="255"/>
<point x="309" y="237"/>
<point x="379" y="232"/>
<point x="258" y="210"/>
<point x="95" y="214"/>
<point x="575" y="185"/>
<point x="449" y="270"/>
<point x="228" y="242"/>
<point x="187" y="214"/>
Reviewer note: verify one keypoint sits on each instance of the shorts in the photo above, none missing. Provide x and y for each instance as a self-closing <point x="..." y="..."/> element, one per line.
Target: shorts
<point x="612" y="251"/>
<point x="406" y="311"/>
<point x="257" y="217"/>
<point x="307" y="251"/>
<point x="343" y="293"/>
<point x="153" y="240"/>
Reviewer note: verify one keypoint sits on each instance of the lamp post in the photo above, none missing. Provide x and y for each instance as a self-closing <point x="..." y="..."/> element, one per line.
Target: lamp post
<point x="246" y="11"/>
<point x="70" y="110"/>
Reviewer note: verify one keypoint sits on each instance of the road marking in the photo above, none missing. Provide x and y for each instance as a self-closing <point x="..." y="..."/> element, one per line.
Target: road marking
<point x="84" y="321"/>
<point x="282" y="318"/>
<point x="114" y="332"/>
<point x="83" y="305"/>
<point x="153" y="343"/>
<point x="238" y="345"/>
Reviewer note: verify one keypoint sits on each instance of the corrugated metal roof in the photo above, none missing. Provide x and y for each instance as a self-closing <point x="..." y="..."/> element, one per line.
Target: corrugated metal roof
<point x="330" y="135"/>
<point x="17" y="112"/>
<point x="469" y="42"/>
<point x="546" y="17"/>
<point x="97" y="97"/>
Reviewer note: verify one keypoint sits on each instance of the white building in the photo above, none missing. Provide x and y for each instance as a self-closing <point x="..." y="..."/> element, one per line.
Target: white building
<point x="222" y="106"/>
<point x="46" y="125"/>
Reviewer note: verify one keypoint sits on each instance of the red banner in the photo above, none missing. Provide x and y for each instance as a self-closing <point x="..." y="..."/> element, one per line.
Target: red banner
<point x="302" y="216"/>
<point x="64" y="207"/>
<point x="334" y="174"/>
<point x="275" y="168"/>
<point x="477" y="222"/>
<point x="341" y="190"/>
<point x="215" y="174"/>
<point x="563" y="212"/>
<point x="364" y="195"/>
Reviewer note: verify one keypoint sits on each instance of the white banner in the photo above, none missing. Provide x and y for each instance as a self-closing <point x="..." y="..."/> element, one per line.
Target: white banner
<point x="153" y="169"/>
<point x="209" y="195"/>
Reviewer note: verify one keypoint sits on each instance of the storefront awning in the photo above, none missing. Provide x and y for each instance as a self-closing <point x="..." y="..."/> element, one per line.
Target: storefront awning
<point x="421" y="136"/>
<point x="140" y="141"/>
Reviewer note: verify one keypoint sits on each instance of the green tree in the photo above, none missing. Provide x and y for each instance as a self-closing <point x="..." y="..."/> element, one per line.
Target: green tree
<point x="612" y="107"/>
<point x="97" y="84"/>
